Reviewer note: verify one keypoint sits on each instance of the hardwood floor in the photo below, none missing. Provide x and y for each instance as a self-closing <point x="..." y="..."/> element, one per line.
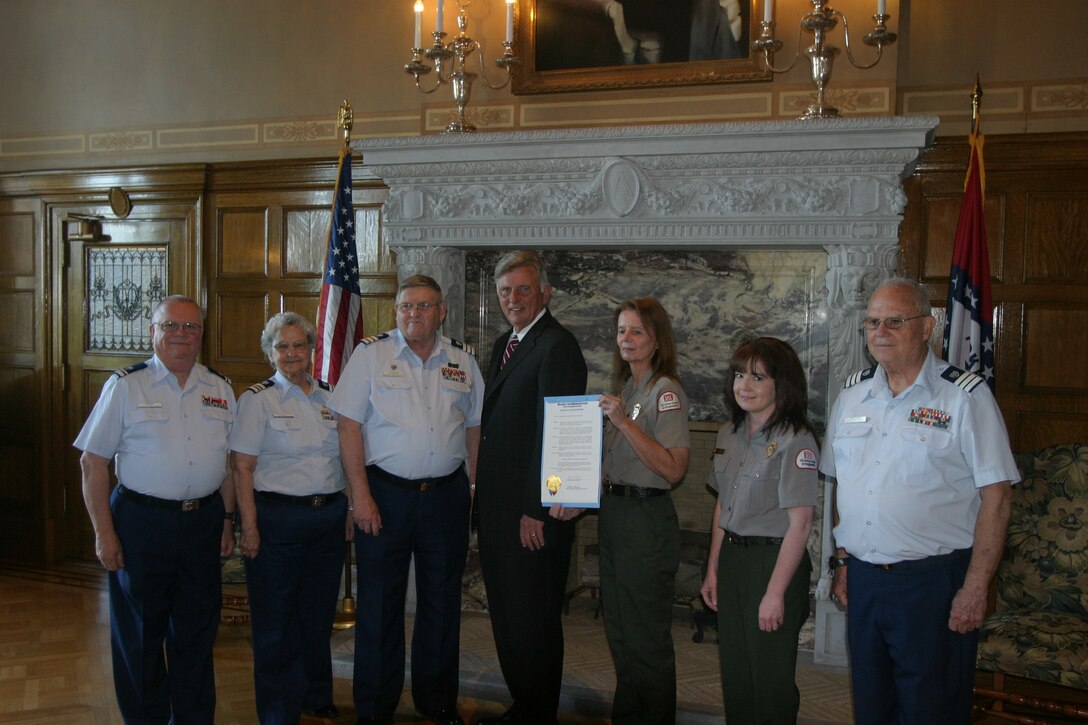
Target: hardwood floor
<point x="55" y="662"/>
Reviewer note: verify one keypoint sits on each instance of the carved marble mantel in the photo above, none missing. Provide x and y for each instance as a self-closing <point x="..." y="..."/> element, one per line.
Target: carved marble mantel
<point x="831" y="184"/>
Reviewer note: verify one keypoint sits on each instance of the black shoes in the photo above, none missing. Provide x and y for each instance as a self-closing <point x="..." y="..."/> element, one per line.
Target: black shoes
<point x="447" y="716"/>
<point x="507" y="718"/>
<point x="328" y="711"/>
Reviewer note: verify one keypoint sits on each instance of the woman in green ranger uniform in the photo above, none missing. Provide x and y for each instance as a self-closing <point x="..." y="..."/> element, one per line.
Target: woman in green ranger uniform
<point x="757" y="578"/>
<point x="647" y="446"/>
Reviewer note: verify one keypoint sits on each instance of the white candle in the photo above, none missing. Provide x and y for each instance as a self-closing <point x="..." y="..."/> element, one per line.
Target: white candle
<point x="768" y="10"/>
<point x="419" y="24"/>
<point x="881" y="7"/>
<point x="509" y="21"/>
<point x="438" y="18"/>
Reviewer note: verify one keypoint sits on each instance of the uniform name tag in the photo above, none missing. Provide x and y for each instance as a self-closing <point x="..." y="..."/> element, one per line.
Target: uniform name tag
<point x="149" y="405"/>
<point x="393" y="372"/>
<point x="856" y="419"/>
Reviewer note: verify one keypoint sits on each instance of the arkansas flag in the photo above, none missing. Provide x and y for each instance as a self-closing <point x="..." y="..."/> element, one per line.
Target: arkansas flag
<point x="969" y="328"/>
<point x="340" y="314"/>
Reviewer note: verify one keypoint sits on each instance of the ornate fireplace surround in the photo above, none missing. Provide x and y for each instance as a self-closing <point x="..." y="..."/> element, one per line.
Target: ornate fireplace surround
<point x="834" y="185"/>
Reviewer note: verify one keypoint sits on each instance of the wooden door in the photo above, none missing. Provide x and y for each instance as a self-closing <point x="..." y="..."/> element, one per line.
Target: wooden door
<point x="111" y="287"/>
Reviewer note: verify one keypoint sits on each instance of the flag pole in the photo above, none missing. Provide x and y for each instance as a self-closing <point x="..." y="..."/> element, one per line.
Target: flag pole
<point x="976" y="106"/>
<point x="345" y="615"/>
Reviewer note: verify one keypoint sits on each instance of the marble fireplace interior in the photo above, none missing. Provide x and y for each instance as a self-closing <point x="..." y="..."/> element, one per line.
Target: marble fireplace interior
<point x="740" y="230"/>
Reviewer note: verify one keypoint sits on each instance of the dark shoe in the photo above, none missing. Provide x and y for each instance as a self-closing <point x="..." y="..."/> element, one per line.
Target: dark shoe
<point x="447" y="716"/>
<point x="329" y="710"/>
<point x="507" y="718"/>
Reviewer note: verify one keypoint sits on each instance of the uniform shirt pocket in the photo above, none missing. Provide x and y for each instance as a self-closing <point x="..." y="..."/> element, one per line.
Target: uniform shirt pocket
<point x="145" y="428"/>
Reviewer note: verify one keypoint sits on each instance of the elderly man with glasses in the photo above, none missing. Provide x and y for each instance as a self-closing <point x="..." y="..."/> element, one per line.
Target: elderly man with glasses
<point x="410" y="403"/>
<point x="160" y="534"/>
<point x="922" y="465"/>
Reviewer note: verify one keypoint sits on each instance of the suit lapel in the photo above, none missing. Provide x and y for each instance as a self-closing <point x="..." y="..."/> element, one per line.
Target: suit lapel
<point x="524" y="350"/>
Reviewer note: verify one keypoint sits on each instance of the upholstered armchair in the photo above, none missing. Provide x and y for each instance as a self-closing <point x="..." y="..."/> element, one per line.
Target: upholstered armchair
<point x="1039" y="630"/>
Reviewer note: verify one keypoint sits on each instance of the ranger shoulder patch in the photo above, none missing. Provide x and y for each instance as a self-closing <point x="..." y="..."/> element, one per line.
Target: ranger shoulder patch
<point x="263" y="385"/>
<point x="962" y="378"/>
<point x="122" y="372"/>
<point x="860" y="375"/>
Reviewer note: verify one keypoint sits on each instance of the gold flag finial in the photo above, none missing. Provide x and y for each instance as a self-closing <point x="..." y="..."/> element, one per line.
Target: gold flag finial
<point x="976" y="105"/>
<point x="345" y="119"/>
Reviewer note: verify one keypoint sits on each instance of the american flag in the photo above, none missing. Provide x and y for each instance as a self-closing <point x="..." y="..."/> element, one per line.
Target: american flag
<point x="340" y="315"/>
<point x="969" y="329"/>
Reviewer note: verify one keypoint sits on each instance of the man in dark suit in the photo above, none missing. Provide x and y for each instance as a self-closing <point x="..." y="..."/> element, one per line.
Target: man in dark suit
<point x="524" y="547"/>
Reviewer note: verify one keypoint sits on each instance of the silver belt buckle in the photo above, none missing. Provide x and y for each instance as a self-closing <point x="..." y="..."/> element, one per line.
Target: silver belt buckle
<point x="190" y="505"/>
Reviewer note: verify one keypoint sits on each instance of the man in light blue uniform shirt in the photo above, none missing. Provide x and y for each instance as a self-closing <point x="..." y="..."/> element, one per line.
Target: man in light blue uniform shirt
<point x="160" y="534"/>
<point x="410" y="404"/>
<point x="923" y="471"/>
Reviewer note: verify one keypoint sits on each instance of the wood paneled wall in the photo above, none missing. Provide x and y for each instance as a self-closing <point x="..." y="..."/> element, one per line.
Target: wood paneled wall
<point x="246" y="240"/>
<point x="267" y="229"/>
<point x="1037" y="231"/>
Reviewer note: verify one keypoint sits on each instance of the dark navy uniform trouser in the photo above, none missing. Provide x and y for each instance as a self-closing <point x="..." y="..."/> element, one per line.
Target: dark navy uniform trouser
<point x="168" y="591"/>
<point x="906" y="665"/>
<point x="432" y="527"/>
<point x="293" y="584"/>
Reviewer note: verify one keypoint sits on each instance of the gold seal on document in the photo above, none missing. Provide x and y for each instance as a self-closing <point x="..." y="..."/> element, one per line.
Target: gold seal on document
<point x="553" y="483"/>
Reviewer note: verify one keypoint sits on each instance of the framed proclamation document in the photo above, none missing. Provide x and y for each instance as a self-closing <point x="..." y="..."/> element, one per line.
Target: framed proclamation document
<point x="570" y="461"/>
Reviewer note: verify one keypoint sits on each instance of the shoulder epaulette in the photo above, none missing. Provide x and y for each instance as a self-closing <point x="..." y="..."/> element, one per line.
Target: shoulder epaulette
<point x="130" y="369"/>
<point x="215" y="372"/>
<point x="373" y="338"/>
<point x="855" y="378"/>
<point x="962" y="379"/>
<point x="461" y="345"/>
<point x="263" y="385"/>
<point x="323" y="385"/>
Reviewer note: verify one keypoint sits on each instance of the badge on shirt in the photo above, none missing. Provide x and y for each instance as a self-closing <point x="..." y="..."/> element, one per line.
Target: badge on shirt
<point x="806" y="459"/>
<point x="636" y="410"/>
<point x="451" y="374"/>
<point x="668" y="401"/>
<point x="931" y="417"/>
<point x="771" y="448"/>
<point x="393" y="371"/>
<point x="326" y="414"/>
<point x="209" y="402"/>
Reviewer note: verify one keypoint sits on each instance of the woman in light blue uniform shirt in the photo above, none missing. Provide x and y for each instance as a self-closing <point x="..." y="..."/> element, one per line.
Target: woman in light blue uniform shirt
<point x="285" y="456"/>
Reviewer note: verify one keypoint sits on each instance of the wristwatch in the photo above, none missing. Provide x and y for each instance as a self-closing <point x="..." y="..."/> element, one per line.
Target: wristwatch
<point x="231" y="516"/>
<point x="834" y="562"/>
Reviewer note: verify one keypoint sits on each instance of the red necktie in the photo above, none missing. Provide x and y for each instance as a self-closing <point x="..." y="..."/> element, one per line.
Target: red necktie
<point x="510" y="347"/>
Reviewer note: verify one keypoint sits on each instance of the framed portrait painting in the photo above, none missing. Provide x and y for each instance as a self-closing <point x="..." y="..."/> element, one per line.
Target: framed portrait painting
<point x="593" y="45"/>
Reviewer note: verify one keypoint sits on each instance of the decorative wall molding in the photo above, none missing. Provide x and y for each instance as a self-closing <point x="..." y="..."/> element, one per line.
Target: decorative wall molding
<point x="754" y="184"/>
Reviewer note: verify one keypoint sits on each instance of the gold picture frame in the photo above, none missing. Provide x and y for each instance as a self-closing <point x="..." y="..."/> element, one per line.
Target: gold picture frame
<point x="572" y="45"/>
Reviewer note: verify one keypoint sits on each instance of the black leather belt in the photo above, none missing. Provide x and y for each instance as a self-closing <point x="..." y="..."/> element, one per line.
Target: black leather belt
<point x="313" y="501"/>
<point x="738" y="540"/>
<point x="616" y="489"/>
<point x="414" y="484"/>
<point x="191" y="504"/>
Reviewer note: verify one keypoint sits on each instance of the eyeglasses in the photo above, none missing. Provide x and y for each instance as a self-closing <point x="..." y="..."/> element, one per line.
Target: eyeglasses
<point x="890" y="323"/>
<point x="171" y="326"/>
<point x="293" y="347"/>
<point x="406" y="308"/>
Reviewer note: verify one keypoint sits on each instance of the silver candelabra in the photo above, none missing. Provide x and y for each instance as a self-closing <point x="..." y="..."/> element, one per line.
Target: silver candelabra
<point x="451" y="61"/>
<point x="820" y="22"/>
